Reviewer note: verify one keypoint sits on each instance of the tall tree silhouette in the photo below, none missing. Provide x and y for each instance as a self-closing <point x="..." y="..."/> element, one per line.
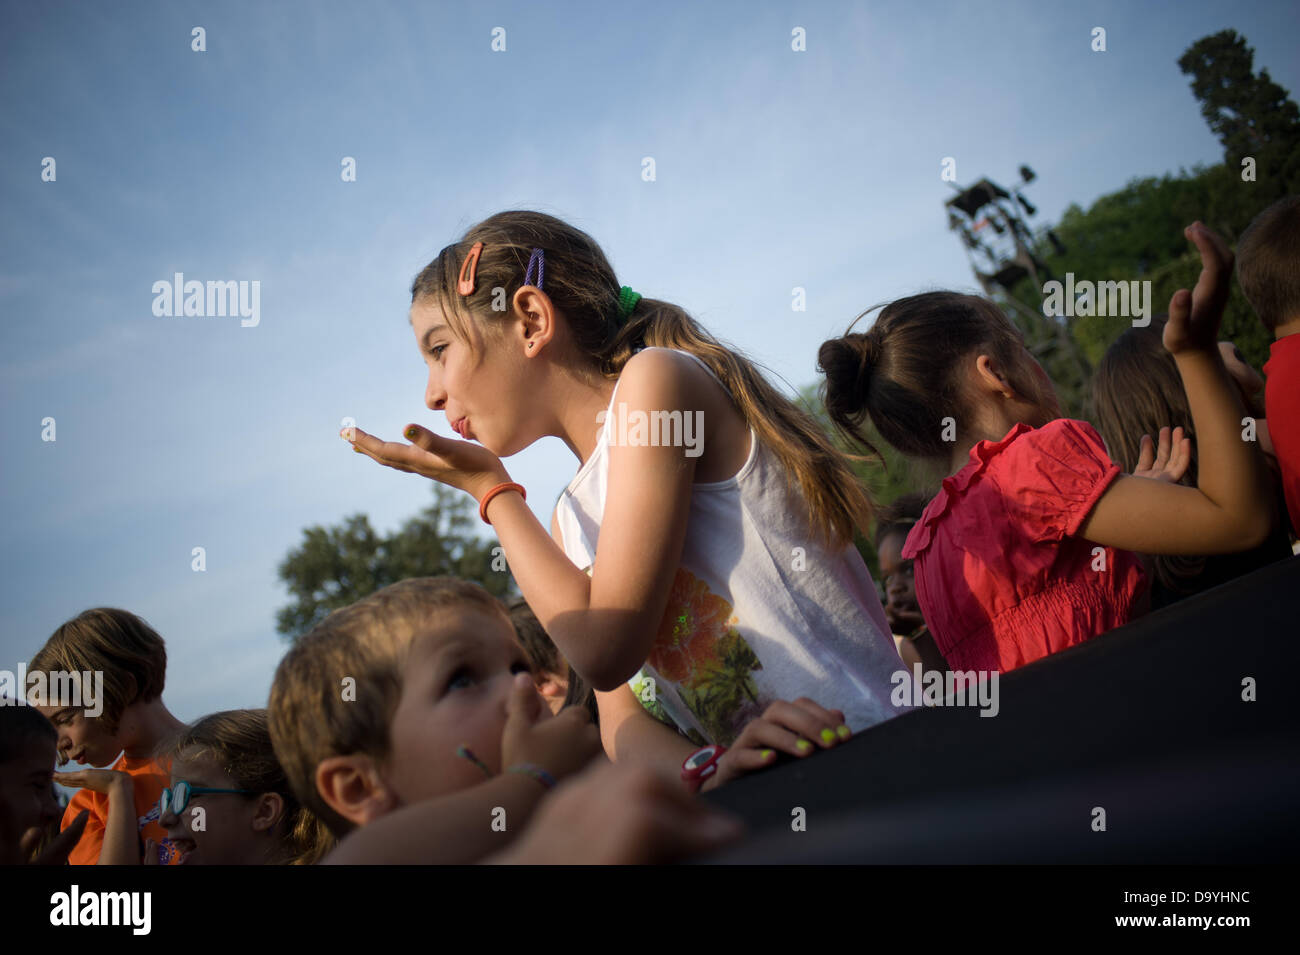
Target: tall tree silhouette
<point x="1252" y="116"/>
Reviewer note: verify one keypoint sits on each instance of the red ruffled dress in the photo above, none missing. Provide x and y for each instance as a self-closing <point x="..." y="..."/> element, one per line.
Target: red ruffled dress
<point x="1000" y="575"/>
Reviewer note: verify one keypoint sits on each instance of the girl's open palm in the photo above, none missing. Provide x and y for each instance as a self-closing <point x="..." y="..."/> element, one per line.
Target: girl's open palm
<point x="460" y="464"/>
<point x="96" y="780"/>
<point x="1167" y="463"/>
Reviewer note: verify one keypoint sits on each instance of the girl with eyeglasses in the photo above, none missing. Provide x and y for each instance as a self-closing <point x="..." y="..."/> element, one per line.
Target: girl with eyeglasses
<point x="229" y="802"/>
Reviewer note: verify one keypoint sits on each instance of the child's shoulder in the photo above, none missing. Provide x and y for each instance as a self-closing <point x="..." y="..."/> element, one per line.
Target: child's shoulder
<point x="1060" y="441"/>
<point x="1283" y="355"/>
<point x="1063" y="445"/>
<point x="656" y="370"/>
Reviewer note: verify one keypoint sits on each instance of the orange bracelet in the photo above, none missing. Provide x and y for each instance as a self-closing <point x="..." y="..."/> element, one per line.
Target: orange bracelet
<point x="507" y="486"/>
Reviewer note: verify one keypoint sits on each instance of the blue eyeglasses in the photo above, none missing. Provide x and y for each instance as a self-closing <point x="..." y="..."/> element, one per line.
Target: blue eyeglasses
<point x="179" y="797"/>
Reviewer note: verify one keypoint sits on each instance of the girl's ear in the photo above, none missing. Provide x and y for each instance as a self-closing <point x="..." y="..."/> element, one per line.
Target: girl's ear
<point x="270" y="809"/>
<point x="990" y="377"/>
<point x="537" y="316"/>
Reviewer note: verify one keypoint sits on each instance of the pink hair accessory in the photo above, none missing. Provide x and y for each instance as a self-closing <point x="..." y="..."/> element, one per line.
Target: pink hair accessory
<point x="465" y="284"/>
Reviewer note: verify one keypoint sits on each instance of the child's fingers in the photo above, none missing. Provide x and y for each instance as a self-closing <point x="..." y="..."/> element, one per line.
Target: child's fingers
<point x="785" y="726"/>
<point x="672" y="830"/>
<point x="1182" y="459"/>
<point x="748" y="760"/>
<point x="151" y="852"/>
<point x="399" y="457"/>
<point x="1162" y="452"/>
<point x="1215" y="254"/>
<point x="521" y="707"/>
<point x="1146" y="453"/>
<point x="56" y="853"/>
<point x="828" y="722"/>
<point x="1211" y="290"/>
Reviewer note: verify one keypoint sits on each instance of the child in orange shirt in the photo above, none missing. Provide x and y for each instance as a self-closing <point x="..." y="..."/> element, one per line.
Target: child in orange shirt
<point x="129" y="719"/>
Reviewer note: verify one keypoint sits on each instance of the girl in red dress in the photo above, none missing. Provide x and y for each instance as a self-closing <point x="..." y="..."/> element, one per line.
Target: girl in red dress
<point x="1028" y="547"/>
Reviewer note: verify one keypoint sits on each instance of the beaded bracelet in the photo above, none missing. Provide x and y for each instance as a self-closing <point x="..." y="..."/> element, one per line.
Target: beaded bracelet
<point x="507" y="486"/>
<point x="536" y="772"/>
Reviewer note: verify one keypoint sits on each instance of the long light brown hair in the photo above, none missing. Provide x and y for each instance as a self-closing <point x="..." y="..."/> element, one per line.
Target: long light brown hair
<point x="582" y="285"/>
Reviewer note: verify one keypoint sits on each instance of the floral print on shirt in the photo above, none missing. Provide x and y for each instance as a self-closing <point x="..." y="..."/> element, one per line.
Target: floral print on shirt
<point x="699" y="650"/>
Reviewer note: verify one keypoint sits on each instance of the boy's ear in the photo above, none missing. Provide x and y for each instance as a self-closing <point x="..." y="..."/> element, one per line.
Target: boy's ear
<point x="354" y="788"/>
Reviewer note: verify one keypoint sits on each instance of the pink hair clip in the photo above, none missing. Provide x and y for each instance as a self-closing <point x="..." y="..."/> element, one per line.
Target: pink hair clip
<point x="465" y="284"/>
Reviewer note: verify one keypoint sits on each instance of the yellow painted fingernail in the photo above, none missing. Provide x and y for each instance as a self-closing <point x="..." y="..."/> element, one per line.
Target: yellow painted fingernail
<point x="803" y="746"/>
<point x="828" y="736"/>
<point x="411" y="433"/>
<point x="764" y="754"/>
<point x="843" y="731"/>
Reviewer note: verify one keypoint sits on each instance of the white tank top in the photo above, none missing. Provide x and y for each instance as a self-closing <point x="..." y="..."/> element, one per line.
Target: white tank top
<point x="759" y="610"/>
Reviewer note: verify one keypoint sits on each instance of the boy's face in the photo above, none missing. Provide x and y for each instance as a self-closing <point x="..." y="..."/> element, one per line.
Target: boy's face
<point x="27" y="789"/>
<point x="454" y="691"/>
<point x="227" y="835"/>
<point x="83" y="739"/>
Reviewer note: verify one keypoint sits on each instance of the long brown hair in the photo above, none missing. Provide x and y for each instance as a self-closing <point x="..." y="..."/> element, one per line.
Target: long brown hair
<point x="904" y="372"/>
<point x="581" y="283"/>
<point x="1138" y="390"/>
<point x="240" y="742"/>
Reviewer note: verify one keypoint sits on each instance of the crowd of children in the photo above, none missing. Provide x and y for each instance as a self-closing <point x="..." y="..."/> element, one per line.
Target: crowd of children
<point x="688" y="618"/>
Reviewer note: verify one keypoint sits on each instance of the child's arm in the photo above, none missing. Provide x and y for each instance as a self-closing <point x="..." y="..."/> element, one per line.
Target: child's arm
<point x="605" y="624"/>
<point x="631" y="735"/>
<point x="619" y="815"/>
<point x="120" y="840"/>
<point x="1230" y="509"/>
<point x="450" y="830"/>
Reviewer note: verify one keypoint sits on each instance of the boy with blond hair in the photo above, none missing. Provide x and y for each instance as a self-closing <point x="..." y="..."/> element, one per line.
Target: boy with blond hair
<point x="409" y="723"/>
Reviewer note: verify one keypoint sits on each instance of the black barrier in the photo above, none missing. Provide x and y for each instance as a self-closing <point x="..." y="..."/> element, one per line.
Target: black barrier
<point x="1147" y="723"/>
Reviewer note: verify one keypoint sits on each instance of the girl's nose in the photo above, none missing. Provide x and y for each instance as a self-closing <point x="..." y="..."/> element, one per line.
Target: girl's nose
<point x="435" y="398"/>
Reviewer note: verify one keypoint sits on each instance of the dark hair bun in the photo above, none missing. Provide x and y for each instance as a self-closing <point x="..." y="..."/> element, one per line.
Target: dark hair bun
<point x="847" y="363"/>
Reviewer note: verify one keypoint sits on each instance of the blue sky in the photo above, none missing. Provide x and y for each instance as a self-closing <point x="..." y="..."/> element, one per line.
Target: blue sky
<point x="775" y="169"/>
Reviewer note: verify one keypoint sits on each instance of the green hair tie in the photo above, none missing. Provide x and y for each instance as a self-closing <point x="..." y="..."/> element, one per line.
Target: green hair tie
<point x="627" y="300"/>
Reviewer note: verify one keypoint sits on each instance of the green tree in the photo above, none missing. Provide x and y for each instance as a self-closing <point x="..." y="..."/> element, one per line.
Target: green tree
<point x="1252" y="116"/>
<point x="337" y="566"/>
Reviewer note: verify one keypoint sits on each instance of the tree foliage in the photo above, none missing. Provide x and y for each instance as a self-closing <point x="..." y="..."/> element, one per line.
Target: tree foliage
<point x="336" y="566"/>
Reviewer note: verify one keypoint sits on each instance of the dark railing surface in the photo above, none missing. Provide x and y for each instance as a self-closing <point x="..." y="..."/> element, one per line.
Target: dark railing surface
<point x="1146" y="723"/>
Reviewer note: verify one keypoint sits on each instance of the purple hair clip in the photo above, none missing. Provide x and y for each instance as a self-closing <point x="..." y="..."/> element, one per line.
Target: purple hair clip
<point x="537" y="261"/>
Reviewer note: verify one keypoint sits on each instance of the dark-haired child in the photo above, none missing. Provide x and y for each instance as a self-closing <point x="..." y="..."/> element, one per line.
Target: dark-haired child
<point x="911" y="635"/>
<point x="27" y="803"/>
<point x="1138" y="391"/>
<point x="559" y="684"/>
<point x="1268" y="268"/>
<point x="1028" y="548"/>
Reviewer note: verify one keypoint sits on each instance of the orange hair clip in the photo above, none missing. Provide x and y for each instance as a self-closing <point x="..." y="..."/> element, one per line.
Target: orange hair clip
<point x="465" y="284"/>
